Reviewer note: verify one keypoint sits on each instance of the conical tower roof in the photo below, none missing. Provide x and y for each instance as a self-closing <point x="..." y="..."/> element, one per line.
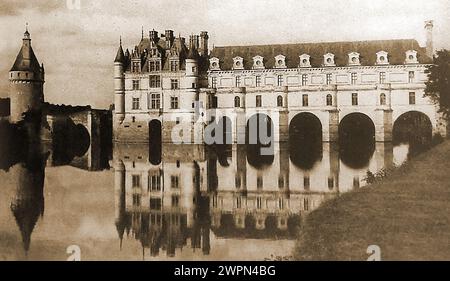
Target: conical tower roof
<point x="26" y="59"/>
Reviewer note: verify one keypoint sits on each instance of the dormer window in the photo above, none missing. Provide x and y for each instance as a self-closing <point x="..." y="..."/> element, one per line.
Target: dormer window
<point x="328" y="60"/>
<point x="382" y="58"/>
<point x="214" y="63"/>
<point x="238" y="63"/>
<point x="305" y="60"/>
<point x="353" y="59"/>
<point x="280" y="61"/>
<point x="258" y="62"/>
<point x="411" y="57"/>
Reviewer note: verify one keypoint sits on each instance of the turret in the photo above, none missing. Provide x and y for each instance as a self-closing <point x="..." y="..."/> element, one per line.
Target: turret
<point x="192" y="65"/>
<point x="26" y="82"/>
<point x="119" y="86"/>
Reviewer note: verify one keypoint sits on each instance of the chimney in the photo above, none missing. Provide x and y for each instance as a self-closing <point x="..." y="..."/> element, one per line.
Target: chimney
<point x="203" y="43"/>
<point x="154" y="36"/>
<point x="169" y="38"/>
<point x="429" y="34"/>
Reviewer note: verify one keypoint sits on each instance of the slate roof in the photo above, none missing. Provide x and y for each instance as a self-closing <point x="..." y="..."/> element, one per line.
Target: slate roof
<point x="367" y="49"/>
<point x="22" y="64"/>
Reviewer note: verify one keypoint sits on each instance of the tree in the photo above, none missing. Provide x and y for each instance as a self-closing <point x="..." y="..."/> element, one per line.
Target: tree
<point x="438" y="84"/>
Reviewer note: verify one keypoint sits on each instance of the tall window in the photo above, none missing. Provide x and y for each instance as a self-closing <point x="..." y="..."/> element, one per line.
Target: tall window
<point x="259" y="202"/>
<point x="280" y="182"/>
<point x="411" y="77"/>
<point x="154" y="183"/>
<point x="175" y="200"/>
<point x="155" y="101"/>
<point x="329" y="78"/>
<point x="237" y="102"/>
<point x="136" y="200"/>
<point x="304" y="79"/>
<point x="330" y="183"/>
<point x="259" y="182"/>
<point x="237" y="182"/>
<point x="354" y="78"/>
<point x="355" y="99"/>
<point x="154" y="66"/>
<point x="280" y="101"/>
<point x="329" y="100"/>
<point x="136" y="103"/>
<point x="174" y="181"/>
<point x="173" y="65"/>
<point x="155" y="204"/>
<point x="174" y="102"/>
<point x="135" y="66"/>
<point x="382" y="99"/>
<point x="412" y="98"/>
<point x="305" y="100"/>
<point x="155" y="81"/>
<point x="258" y="81"/>
<point x="214" y="82"/>
<point x="382" y="77"/>
<point x="238" y="81"/>
<point x="258" y="101"/>
<point x="280" y="80"/>
<point x="174" y="84"/>
<point x="135" y="181"/>
<point x="306" y="183"/>
<point x="306" y="204"/>
<point x="136" y="85"/>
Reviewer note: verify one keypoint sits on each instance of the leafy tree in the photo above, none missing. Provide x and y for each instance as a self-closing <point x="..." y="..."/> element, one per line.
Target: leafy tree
<point x="438" y="85"/>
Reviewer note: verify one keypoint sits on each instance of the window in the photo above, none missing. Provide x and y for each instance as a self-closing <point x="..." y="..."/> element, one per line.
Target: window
<point x="175" y="200"/>
<point x="135" y="67"/>
<point x="135" y="104"/>
<point x="411" y="77"/>
<point x="382" y="99"/>
<point x="356" y="182"/>
<point x="174" y="102"/>
<point x="259" y="182"/>
<point x="280" y="203"/>
<point x="329" y="79"/>
<point x="280" y="182"/>
<point x="238" y="202"/>
<point x="154" y="183"/>
<point x="354" y="78"/>
<point x="155" y="204"/>
<point x="237" y="102"/>
<point x="174" y="181"/>
<point x="306" y="204"/>
<point x="305" y="100"/>
<point x="330" y="183"/>
<point x="214" y="82"/>
<point x="259" y="202"/>
<point x="173" y="65"/>
<point x="258" y="101"/>
<point x="136" y="181"/>
<point x="412" y="98"/>
<point x="355" y="99"/>
<point x="237" y="182"/>
<point x="382" y="77"/>
<point x="304" y="79"/>
<point x="136" y="200"/>
<point x="155" y="101"/>
<point x="279" y="101"/>
<point x="136" y="85"/>
<point x="154" y="66"/>
<point x="329" y="100"/>
<point x="174" y="84"/>
<point x="238" y="81"/>
<point x="258" y="81"/>
<point x="306" y="183"/>
<point x="280" y="80"/>
<point x="155" y="81"/>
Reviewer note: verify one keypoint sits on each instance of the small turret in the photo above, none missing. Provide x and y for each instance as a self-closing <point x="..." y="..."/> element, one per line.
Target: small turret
<point x="119" y="86"/>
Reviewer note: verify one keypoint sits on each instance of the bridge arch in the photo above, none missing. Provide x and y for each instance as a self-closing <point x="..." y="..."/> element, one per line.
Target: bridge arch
<point x="413" y="127"/>
<point x="259" y="134"/>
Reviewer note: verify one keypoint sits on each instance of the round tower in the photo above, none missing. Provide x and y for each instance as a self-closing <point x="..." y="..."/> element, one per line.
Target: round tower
<point x="119" y="86"/>
<point x="26" y="79"/>
<point x="192" y="67"/>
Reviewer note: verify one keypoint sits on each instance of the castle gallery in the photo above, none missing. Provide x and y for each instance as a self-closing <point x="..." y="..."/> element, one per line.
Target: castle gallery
<point x="165" y="81"/>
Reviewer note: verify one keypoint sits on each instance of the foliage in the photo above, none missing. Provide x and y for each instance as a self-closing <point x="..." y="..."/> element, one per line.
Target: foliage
<point x="438" y="84"/>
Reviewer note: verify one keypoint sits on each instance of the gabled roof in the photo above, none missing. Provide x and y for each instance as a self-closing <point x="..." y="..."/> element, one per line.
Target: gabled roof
<point x="366" y="49"/>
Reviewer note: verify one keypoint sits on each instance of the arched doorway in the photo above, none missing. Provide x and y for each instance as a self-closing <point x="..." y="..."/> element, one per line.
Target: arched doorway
<point x="155" y="141"/>
<point x="260" y="138"/>
<point x="356" y="140"/>
<point x="414" y="128"/>
<point x="305" y="140"/>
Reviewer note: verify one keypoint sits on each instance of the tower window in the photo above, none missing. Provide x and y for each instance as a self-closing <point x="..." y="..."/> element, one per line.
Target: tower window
<point x="238" y="81"/>
<point x="258" y="81"/>
<point x="237" y="102"/>
<point x="136" y="103"/>
<point x="412" y="98"/>
<point x="382" y="99"/>
<point x="280" y="80"/>
<point x="354" y="98"/>
<point x="304" y="79"/>
<point x="174" y="84"/>
<point x="354" y="77"/>
<point x="279" y="101"/>
<point x="411" y="77"/>
<point x="329" y="79"/>
<point x="258" y="101"/>
<point x="329" y="100"/>
<point x="382" y="77"/>
<point x="174" y="102"/>
<point x="305" y="100"/>
<point x="136" y="85"/>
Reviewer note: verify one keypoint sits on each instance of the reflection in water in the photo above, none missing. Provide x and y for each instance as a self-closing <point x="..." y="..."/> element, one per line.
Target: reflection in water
<point x="198" y="197"/>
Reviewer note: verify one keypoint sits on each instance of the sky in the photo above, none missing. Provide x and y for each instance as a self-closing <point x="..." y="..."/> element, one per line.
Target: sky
<point x="78" y="43"/>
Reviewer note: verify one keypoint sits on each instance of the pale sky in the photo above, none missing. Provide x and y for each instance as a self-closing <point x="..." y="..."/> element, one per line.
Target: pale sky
<point x="78" y="47"/>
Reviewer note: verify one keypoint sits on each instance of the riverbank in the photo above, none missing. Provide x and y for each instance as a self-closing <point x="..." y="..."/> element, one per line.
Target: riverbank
<point x="407" y="215"/>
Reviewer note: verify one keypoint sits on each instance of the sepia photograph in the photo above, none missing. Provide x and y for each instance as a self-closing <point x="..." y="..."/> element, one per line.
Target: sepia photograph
<point x="260" y="132"/>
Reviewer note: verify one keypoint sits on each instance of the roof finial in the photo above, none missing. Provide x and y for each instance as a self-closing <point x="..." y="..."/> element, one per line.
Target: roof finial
<point x="120" y="40"/>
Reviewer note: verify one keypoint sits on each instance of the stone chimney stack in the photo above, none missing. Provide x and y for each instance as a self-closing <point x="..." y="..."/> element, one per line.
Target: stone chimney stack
<point x="429" y="33"/>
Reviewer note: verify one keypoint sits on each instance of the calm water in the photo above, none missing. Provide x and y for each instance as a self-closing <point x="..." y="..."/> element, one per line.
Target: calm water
<point x="184" y="202"/>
